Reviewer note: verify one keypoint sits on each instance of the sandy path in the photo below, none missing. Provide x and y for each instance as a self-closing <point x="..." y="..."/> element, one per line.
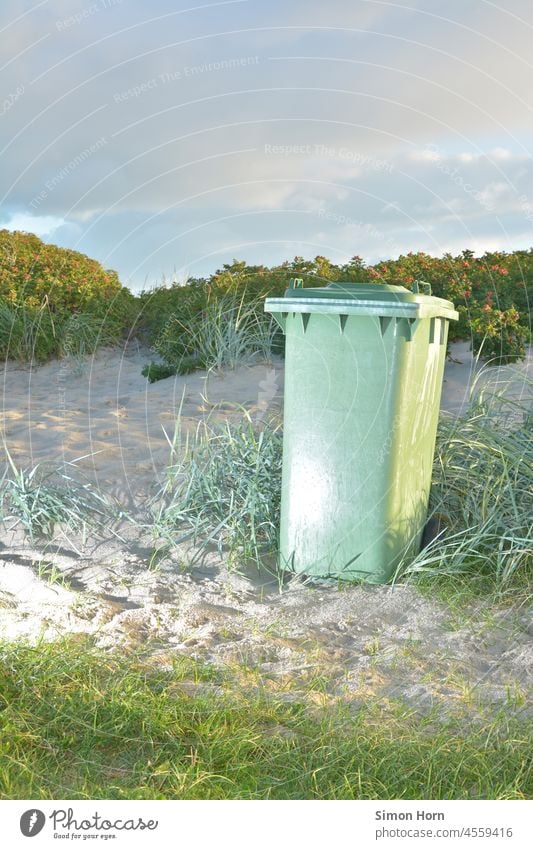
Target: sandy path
<point x="53" y="414"/>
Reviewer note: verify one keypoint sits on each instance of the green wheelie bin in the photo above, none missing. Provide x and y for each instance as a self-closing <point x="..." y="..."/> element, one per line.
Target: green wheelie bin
<point x="363" y="377"/>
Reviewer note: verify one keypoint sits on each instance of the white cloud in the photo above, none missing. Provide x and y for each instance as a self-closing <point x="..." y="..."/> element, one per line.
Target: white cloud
<point x="500" y="153"/>
<point x="40" y="225"/>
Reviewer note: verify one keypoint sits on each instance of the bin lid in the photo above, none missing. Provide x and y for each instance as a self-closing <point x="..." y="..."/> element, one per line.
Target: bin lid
<point x="363" y="299"/>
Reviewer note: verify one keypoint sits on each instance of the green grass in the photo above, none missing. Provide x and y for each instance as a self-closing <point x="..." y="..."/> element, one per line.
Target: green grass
<point x="36" y="334"/>
<point x="78" y="723"/>
<point x="228" y="332"/>
<point x="223" y="487"/>
<point x="481" y="492"/>
<point x="27" y="333"/>
<point x="39" y="499"/>
<point x="80" y="336"/>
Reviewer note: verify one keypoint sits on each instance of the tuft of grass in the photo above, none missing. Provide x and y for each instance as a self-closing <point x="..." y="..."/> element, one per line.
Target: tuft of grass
<point x="30" y="333"/>
<point x="80" y="335"/>
<point x="157" y="371"/>
<point x="230" y="331"/>
<point x="79" y="723"/>
<point x="224" y="488"/>
<point x="50" y="573"/>
<point x="27" y="333"/>
<point x="160" y="371"/>
<point x="40" y="499"/>
<point x="482" y="493"/>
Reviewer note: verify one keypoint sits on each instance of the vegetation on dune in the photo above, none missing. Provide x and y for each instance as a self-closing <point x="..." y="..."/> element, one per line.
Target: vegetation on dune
<point x="41" y="499"/>
<point x="481" y="494"/>
<point x="224" y="487"/>
<point x="492" y="294"/>
<point x="43" y="286"/>
<point x="56" y="302"/>
<point x="87" y="724"/>
<point x="82" y="724"/>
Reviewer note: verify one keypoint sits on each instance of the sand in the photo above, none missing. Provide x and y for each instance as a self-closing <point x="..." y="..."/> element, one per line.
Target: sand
<point x="392" y="643"/>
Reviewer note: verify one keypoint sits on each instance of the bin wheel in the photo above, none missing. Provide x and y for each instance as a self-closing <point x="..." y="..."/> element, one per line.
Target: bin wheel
<point x="435" y="526"/>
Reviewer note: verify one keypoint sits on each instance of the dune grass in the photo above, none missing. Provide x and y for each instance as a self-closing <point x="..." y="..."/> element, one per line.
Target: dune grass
<point x="40" y="499"/>
<point x="78" y="723"/>
<point x="482" y="492"/>
<point x="35" y="334"/>
<point x="231" y="330"/>
<point x="223" y="487"/>
<point x="27" y="333"/>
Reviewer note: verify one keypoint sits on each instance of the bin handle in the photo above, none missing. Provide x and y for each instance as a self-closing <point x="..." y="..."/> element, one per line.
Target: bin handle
<point x="421" y="284"/>
<point x="296" y="283"/>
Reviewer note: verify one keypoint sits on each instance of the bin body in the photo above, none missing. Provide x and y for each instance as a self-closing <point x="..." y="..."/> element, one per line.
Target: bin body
<point x="364" y="370"/>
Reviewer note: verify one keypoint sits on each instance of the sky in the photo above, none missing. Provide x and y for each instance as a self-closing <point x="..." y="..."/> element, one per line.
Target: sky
<point x="167" y="138"/>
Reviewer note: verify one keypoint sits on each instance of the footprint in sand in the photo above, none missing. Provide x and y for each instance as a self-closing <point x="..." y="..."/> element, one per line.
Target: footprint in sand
<point x="121" y="401"/>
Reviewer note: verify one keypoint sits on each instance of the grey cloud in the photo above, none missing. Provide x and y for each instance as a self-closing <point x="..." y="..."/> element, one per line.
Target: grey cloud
<point x="140" y="141"/>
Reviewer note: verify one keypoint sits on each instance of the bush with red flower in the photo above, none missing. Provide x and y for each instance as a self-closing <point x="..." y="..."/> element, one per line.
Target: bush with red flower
<point x="43" y="286"/>
<point x="497" y="335"/>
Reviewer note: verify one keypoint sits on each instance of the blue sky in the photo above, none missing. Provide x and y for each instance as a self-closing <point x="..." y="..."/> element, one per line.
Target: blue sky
<point x="167" y="138"/>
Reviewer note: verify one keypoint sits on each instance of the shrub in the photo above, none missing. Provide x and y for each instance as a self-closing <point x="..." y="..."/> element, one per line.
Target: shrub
<point x="99" y="724"/>
<point x="465" y="280"/>
<point x="42" y="287"/>
<point x="156" y="306"/>
<point x="157" y="371"/>
<point x="497" y="334"/>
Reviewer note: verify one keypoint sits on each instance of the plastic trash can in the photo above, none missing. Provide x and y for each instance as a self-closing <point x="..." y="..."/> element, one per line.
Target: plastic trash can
<point x="363" y="377"/>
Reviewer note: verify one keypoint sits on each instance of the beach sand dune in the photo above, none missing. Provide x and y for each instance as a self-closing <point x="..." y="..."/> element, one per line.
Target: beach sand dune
<point x="114" y="420"/>
<point x="114" y="425"/>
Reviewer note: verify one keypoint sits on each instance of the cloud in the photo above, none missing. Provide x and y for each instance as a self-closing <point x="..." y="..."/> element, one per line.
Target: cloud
<point x="41" y="225"/>
<point x="144" y="134"/>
